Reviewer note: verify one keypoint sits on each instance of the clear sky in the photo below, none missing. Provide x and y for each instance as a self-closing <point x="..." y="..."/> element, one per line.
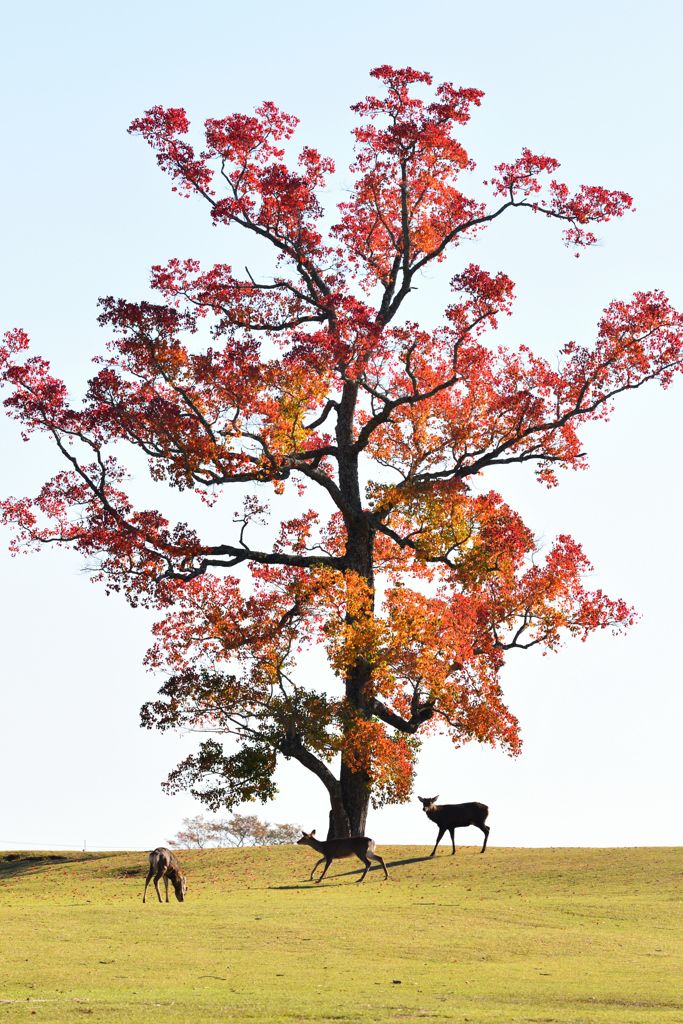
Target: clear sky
<point x="85" y="212"/>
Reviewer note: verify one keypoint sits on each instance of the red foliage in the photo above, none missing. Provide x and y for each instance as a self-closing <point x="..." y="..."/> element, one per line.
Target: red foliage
<point x="418" y="589"/>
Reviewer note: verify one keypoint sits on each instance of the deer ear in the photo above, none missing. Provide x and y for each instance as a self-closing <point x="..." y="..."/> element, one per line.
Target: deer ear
<point x="435" y="798"/>
<point x="313" y="832"/>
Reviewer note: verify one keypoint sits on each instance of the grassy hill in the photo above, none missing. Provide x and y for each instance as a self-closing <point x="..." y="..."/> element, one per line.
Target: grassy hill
<point x="566" y="935"/>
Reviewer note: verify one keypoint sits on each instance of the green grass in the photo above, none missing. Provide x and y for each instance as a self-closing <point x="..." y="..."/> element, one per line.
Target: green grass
<point x="567" y="935"/>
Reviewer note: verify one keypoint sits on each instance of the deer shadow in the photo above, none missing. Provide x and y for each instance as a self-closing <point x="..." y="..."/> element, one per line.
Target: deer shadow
<point x="311" y="884"/>
<point x="407" y="860"/>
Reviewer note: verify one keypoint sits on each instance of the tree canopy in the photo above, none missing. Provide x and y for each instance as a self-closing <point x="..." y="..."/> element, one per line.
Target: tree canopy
<point x="316" y="394"/>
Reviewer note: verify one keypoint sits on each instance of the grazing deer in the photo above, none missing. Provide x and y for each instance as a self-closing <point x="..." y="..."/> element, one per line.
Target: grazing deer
<point x="164" y="864"/>
<point x="451" y="816"/>
<point x="335" y="849"/>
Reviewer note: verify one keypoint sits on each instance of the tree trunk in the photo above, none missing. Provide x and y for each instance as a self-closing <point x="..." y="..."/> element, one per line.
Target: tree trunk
<point x="355" y="786"/>
<point x="355" y="791"/>
<point x="354" y="783"/>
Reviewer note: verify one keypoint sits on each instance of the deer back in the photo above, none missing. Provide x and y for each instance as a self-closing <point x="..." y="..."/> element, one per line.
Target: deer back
<point x="455" y="815"/>
<point x="163" y="860"/>
<point x="338" y="848"/>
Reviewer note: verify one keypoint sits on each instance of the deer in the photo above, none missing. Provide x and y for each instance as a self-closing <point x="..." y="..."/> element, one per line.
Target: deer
<point x="451" y="816"/>
<point x="336" y="849"/>
<point x="164" y="864"/>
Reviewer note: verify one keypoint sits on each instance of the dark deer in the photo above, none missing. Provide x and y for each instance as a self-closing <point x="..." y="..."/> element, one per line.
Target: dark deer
<point x="335" y="849"/>
<point x="164" y="864"/>
<point x="451" y="816"/>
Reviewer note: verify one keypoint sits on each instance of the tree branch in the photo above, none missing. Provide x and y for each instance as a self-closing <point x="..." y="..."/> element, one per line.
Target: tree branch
<point x="421" y="715"/>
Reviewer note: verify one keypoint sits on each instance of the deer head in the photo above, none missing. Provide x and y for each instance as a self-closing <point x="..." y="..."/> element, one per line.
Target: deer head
<point x="180" y="887"/>
<point x="428" y="802"/>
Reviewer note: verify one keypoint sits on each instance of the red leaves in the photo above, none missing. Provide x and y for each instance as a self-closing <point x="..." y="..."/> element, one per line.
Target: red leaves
<point x="551" y="597"/>
<point x="280" y="202"/>
<point x="387" y="759"/>
<point x="398" y="80"/>
<point x="591" y="204"/>
<point x="237" y="303"/>
<point x="13" y="342"/>
<point x="405" y="204"/>
<point x="486" y="297"/>
<point x="521" y="177"/>
<point x="38" y="398"/>
<point x="144" y="319"/>
<point x="261" y="190"/>
<point x="244" y="140"/>
<point x="411" y="116"/>
<point x="637" y="341"/>
<point x="160" y="128"/>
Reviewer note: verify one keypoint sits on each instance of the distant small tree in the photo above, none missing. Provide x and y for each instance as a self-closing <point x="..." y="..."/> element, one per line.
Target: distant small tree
<point x="278" y="835"/>
<point x="196" y="832"/>
<point x="240" y="830"/>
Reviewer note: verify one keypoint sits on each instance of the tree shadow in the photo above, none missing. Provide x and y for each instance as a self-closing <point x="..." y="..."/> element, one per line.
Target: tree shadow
<point x="14" y="864"/>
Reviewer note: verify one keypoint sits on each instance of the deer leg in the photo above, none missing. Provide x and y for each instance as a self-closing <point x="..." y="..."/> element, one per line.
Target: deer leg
<point x="366" y="861"/>
<point x="485" y="829"/>
<point x="376" y="856"/>
<point x="317" y="865"/>
<point x="166" y="884"/>
<point x="327" y="864"/>
<point x="144" y="895"/>
<point x="441" y="835"/>
<point x="156" y="886"/>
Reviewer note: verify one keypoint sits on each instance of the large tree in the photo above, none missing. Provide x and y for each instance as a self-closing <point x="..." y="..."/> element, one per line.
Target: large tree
<point x="414" y="581"/>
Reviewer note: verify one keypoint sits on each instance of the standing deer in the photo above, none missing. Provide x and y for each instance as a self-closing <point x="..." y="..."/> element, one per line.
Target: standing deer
<point x="164" y="864"/>
<point x="335" y="849"/>
<point x="451" y="816"/>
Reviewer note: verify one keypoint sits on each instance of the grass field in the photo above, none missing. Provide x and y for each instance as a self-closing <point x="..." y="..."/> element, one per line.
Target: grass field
<point x="566" y="935"/>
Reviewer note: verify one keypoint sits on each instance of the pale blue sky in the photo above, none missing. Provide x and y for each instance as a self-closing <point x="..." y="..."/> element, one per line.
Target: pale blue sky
<point x="84" y="211"/>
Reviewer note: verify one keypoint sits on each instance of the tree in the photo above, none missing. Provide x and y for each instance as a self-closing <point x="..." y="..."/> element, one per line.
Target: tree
<point x="196" y="833"/>
<point x="240" y="830"/>
<point x="414" y="582"/>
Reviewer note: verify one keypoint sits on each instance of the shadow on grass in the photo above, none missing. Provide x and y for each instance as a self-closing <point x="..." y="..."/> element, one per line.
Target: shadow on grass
<point x="317" y="886"/>
<point x="311" y="884"/>
<point x="408" y="860"/>
<point x="13" y="864"/>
